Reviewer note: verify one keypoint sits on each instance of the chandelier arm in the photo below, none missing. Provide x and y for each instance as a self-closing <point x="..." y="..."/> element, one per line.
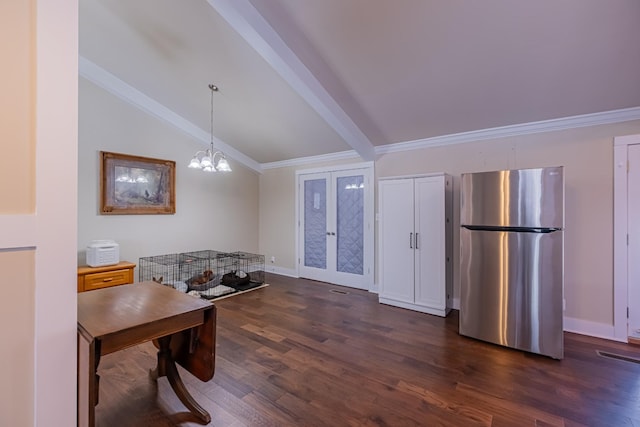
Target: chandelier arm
<point x="213" y="157"/>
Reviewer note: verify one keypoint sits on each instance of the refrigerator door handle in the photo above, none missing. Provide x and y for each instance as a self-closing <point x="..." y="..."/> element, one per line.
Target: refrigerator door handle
<point x="411" y="240"/>
<point x="417" y="240"/>
<point x="540" y="230"/>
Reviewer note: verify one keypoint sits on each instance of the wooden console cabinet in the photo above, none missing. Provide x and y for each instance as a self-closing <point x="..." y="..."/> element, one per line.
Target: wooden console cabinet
<point x="90" y="278"/>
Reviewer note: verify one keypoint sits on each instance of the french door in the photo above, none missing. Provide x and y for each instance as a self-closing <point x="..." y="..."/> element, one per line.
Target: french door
<point x="335" y="226"/>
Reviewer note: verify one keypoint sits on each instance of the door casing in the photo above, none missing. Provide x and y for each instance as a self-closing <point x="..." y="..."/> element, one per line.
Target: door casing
<point x="620" y="235"/>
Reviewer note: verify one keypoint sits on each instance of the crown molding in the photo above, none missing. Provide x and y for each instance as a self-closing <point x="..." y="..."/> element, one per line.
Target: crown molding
<point x="573" y="122"/>
<point x="129" y="94"/>
<point x="112" y="84"/>
<point x="331" y="157"/>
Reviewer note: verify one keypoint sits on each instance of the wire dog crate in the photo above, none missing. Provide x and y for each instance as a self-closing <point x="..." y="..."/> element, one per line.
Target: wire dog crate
<point x="243" y="270"/>
<point x="207" y="273"/>
<point x="184" y="271"/>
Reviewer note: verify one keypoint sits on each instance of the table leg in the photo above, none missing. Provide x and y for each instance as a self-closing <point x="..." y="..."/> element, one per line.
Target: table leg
<point x="167" y="367"/>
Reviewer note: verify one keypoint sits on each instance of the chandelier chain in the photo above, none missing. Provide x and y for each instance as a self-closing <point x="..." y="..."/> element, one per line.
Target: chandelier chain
<point x="213" y="88"/>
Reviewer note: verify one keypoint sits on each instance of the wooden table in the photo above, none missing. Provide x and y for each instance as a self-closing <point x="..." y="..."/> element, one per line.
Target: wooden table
<point x="111" y="319"/>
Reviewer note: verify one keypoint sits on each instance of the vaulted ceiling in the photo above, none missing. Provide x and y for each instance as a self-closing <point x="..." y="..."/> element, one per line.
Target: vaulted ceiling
<point x="302" y="78"/>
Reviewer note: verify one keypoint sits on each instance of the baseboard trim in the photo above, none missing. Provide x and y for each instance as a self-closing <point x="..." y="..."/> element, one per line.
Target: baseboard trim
<point x="414" y="307"/>
<point x="281" y="271"/>
<point x="589" y="328"/>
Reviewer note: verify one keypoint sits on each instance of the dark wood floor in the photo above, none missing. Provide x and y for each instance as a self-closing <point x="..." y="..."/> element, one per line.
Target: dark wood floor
<point x="297" y="354"/>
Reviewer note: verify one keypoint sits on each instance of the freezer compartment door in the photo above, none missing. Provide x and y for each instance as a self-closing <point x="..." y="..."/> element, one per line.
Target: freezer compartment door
<point x="511" y="289"/>
<point x="513" y="198"/>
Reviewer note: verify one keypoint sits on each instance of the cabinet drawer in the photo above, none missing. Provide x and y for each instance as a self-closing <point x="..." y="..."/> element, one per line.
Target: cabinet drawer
<point x="106" y="279"/>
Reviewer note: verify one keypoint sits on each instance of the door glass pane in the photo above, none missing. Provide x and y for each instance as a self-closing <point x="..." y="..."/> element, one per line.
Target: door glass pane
<point x="315" y="223"/>
<point x="350" y="218"/>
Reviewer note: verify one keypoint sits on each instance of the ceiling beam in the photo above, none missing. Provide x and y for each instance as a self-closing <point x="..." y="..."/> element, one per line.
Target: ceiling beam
<point x="249" y="23"/>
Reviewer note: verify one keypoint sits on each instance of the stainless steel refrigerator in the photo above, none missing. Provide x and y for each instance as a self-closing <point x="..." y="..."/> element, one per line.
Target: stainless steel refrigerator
<point x="511" y="258"/>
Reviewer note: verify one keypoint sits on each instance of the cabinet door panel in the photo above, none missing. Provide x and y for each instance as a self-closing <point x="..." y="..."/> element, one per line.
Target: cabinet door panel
<point x="396" y="249"/>
<point x="430" y="251"/>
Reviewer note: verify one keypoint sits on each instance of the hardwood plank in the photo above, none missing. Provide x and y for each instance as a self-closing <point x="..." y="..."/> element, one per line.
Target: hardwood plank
<point x="296" y="354"/>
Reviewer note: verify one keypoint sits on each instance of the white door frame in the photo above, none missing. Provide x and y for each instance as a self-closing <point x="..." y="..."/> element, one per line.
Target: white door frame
<point x="367" y="167"/>
<point x="620" y="232"/>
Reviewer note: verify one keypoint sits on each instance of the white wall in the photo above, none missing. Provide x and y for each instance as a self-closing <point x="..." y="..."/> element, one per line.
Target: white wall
<point x="213" y="211"/>
<point x="586" y="153"/>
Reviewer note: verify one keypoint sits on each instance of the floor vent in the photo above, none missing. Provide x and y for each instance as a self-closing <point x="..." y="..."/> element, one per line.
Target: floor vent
<point x="618" y="356"/>
<point x="338" y="291"/>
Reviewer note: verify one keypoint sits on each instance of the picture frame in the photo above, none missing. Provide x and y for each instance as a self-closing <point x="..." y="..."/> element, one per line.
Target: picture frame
<point x="135" y="185"/>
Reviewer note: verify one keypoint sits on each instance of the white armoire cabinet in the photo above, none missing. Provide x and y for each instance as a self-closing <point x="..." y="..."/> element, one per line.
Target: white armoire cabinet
<point x="415" y="242"/>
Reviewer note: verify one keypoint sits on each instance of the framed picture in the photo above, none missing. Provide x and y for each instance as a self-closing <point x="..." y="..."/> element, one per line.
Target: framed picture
<point x="131" y="185"/>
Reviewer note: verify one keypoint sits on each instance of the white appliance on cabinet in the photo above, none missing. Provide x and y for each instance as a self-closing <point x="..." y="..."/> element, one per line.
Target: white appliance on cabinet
<point x="102" y="252"/>
<point x="415" y="242"/>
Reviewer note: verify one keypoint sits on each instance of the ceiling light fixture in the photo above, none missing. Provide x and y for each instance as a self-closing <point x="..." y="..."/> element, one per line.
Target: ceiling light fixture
<point x="206" y="160"/>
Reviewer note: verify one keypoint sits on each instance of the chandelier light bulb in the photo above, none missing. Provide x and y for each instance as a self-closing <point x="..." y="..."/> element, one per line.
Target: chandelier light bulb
<point x="195" y="163"/>
<point x="223" y="165"/>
